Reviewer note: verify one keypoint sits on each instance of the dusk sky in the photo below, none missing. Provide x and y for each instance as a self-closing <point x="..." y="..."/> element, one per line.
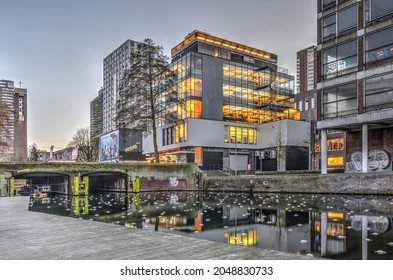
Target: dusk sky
<point x="56" y="48"/>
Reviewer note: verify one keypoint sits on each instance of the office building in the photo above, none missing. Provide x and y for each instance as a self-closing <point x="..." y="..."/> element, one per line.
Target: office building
<point x="96" y="116"/>
<point x="238" y="109"/>
<point x="20" y="128"/>
<point x="13" y="129"/>
<point x="355" y="81"/>
<point x="114" y="66"/>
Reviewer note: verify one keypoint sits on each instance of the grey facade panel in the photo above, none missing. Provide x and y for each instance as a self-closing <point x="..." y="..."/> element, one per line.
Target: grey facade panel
<point x="212" y="88"/>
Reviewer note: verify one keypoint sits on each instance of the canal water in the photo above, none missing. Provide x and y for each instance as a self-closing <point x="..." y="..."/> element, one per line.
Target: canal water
<point x="329" y="226"/>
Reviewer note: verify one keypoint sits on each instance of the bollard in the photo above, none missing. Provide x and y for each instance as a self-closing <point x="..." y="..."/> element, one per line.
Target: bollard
<point x="136" y="185"/>
<point x="85" y="180"/>
<point x="11" y="186"/>
<point x="75" y="190"/>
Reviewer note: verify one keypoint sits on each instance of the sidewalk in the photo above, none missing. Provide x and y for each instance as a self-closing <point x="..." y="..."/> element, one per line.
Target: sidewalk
<point x="28" y="235"/>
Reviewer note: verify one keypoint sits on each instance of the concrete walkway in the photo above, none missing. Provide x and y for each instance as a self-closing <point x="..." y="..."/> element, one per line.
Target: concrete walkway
<point x="27" y="235"/>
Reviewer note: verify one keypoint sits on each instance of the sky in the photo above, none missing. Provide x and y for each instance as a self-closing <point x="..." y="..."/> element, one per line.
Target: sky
<point x="56" y="48"/>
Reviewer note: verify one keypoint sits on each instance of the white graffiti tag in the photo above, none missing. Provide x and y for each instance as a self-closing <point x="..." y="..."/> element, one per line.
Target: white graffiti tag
<point x="173" y="181"/>
<point x="378" y="160"/>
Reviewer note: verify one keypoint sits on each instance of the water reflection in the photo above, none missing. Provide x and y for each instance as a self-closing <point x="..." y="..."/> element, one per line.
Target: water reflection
<point x="339" y="227"/>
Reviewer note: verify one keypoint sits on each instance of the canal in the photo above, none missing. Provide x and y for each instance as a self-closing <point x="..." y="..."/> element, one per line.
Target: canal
<point x="328" y="226"/>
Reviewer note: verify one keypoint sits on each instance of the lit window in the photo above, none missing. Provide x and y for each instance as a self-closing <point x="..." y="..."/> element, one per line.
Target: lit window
<point x="335" y="144"/>
<point x="335" y="161"/>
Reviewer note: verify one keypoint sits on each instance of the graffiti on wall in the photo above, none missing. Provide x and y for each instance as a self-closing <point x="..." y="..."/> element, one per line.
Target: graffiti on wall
<point x="378" y="160"/>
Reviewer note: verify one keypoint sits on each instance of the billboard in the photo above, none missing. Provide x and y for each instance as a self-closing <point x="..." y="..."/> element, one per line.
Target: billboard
<point x="109" y="146"/>
<point x="121" y="145"/>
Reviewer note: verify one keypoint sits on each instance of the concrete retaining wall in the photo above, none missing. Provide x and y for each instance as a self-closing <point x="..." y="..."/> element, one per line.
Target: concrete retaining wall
<point x="306" y="183"/>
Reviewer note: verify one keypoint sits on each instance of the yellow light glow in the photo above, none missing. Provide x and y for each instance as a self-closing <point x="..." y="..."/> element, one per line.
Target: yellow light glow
<point x="202" y="36"/>
<point x="335" y="215"/>
<point x="245" y="238"/>
<point x="335" y="161"/>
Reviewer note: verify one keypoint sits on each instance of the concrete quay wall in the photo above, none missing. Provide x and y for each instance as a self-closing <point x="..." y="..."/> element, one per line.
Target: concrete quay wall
<point x="369" y="183"/>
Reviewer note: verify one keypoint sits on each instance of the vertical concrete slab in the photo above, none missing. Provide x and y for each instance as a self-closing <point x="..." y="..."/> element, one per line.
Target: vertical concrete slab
<point x="364" y="147"/>
<point x="323" y="151"/>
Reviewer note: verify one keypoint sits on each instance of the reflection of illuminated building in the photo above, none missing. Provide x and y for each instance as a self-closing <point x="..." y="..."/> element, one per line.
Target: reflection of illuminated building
<point x="330" y="233"/>
<point x="246" y="237"/>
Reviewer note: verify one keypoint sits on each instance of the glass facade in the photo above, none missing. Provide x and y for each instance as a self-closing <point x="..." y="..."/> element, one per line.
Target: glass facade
<point x="240" y="135"/>
<point x="189" y="75"/>
<point x="339" y="59"/>
<point x="377" y="8"/>
<point x="379" y="92"/>
<point x="379" y="45"/>
<point x="256" y="96"/>
<point x="340" y="21"/>
<point x="340" y="101"/>
<point x="174" y="134"/>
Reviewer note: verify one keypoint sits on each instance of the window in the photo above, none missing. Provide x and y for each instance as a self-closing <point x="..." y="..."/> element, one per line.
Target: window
<point x="340" y="21"/>
<point x="175" y="134"/>
<point x="241" y="135"/>
<point x="306" y="105"/>
<point x="300" y="106"/>
<point x="379" y="92"/>
<point x="327" y="2"/>
<point x="335" y="161"/>
<point x="379" y="45"/>
<point x="377" y="8"/>
<point x="337" y="60"/>
<point x="312" y="103"/>
<point x="335" y="144"/>
<point x="340" y="101"/>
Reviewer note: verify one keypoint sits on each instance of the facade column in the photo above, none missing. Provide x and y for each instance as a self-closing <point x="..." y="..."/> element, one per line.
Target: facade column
<point x="323" y="151"/>
<point x="364" y="148"/>
<point x="324" y="220"/>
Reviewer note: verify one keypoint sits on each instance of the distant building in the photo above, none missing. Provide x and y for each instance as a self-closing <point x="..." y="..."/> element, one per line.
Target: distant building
<point x="13" y="134"/>
<point x="20" y="141"/>
<point x="114" y="66"/>
<point x="103" y="107"/>
<point x="306" y="66"/>
<point x="355" y="82"/>
<point x="63" y="154"/>
<point x="96" y="116"/>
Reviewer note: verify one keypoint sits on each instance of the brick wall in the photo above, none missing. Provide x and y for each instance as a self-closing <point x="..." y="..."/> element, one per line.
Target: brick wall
<point x="377" y="139"/>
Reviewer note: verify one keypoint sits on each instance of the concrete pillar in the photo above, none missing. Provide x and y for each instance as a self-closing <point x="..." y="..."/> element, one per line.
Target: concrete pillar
<point x="323" y="151"/>
<point x="323" y="234"/>
<point x="364" y="148"/>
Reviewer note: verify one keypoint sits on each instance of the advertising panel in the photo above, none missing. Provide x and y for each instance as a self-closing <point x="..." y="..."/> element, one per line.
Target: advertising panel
<point x="74" y="154"/>
<point x="109" y="146"/>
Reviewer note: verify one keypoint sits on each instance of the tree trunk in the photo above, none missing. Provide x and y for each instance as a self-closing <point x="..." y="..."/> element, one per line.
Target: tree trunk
<point x="155" y="142"/>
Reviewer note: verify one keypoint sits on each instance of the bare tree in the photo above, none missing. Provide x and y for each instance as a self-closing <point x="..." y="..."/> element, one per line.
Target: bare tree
<point x="87" y="151"/>
<point x="148" y="92"/>
<point x="279" y="142"/>
<point x="33" y="152"/>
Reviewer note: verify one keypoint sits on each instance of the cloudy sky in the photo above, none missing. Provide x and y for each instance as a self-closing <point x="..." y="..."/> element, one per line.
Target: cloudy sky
<point x="56" y="48"/>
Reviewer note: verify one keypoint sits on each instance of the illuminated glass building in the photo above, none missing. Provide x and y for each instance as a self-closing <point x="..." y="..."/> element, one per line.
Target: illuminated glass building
<point x="230" y="91"/>
<point x="355" y="81"/>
